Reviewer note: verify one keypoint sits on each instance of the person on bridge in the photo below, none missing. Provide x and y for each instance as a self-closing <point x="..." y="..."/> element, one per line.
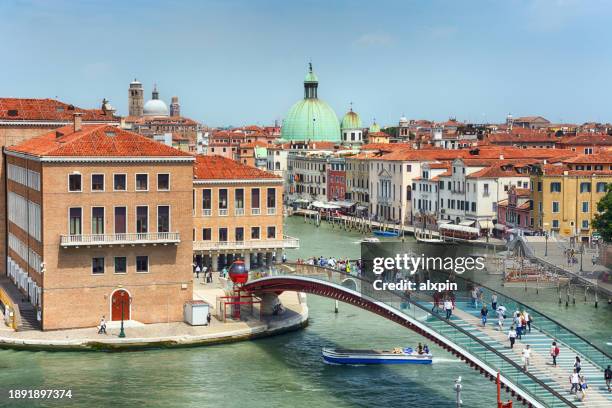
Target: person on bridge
<point x="608" y="378"/>
<point x="575" y="382"/>
<point x="483" y="315"/>
<point x="475" y="298"/>
<point x="583" y="387"/>
<point x="512" y="336"/>
<point x="527" y="320"/>
<point x="526" y="355"/>
<point x="577" y="365"/>
<point x="517" y="324"/>
<point x="554" y="352"/>
<point x="494" y="301"/>
<point x="448" y="308"/>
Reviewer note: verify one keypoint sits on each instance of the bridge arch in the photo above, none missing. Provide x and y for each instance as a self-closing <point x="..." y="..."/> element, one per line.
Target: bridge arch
<point x="338" y="291"/>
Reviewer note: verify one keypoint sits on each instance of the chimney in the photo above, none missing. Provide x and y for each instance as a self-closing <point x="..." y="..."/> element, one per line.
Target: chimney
<point x="501" y="157"/>
<point x="77" y="121"/>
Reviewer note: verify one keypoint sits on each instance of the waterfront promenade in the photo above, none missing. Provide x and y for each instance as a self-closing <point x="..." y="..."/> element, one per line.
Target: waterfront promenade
<point x="175" y="334"/>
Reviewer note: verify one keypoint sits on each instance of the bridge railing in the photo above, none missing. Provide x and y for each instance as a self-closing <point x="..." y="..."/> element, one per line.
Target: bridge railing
<point x="410" y="306"/>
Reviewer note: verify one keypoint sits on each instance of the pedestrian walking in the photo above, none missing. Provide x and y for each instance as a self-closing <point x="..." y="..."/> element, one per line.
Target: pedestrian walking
<point x="577" y="365"/>
<point x="284" y="258"/>
<point x="554" y="352"/>
<point x="512" y="336"/>
<point x="527" y="320"/>
<point x="198" y="271"/>
<point x="102" y="328"/>
<point x="575" y="382"/>
<point x="483" y="315"/>
<point x="436" y="300"/>
<point x="448" y="308"/>
<point x="526" y="355"/>
<point x="608" y="378"/>
<point x="517" y="324"/>
<point x="494" y="301"/>
<point x="475" y="298"/>
<point x="583" y="387"/>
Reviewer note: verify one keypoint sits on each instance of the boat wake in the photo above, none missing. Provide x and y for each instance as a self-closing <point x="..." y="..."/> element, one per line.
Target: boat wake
<point x="439" y="360"/>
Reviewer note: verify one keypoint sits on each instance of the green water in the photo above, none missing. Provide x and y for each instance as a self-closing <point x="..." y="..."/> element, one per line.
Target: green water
<point x="284" y="371"/>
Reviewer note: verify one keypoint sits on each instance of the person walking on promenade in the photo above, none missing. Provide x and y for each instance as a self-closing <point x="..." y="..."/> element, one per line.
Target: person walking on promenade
<point x="608" y="378"/>
<point x="198" y="271"/>
<point x="448" y="308"/>
<point x="517" y="324"/>
<point x="483" y="315"/>
<point x="526" y="355"/>
<point x="475" y="298"/>
<point x="554" y="352"/>
<point x="512" y="336"/>
<point x="102" y="328"/>
<point x="577" y="365"/>
<point x="575" y="382"/>
<point x="494" y="301"/>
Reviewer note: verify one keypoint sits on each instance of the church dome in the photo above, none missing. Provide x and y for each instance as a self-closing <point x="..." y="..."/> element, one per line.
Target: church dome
<point x="351" y="121"/>
<point x="374" y="128"/>
<point x="311" y="118"/>
<point x="155" y="107"/>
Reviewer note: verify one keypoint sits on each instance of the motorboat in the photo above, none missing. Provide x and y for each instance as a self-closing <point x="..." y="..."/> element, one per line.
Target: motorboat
<point x="371" y="239"/>
<point x="396" y="356"/>
<point x="382" y="233"/>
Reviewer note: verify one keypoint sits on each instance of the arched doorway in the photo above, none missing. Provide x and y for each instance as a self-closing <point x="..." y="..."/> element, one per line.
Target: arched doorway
<point x="120" y="303"/>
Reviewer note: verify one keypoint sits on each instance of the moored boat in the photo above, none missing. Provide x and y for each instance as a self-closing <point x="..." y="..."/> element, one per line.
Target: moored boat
<point x="396" y="356"/>
<point x="382" y="233"/>
<point x="370" y="239"/>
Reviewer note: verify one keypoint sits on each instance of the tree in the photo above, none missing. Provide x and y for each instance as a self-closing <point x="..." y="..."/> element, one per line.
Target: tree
<point x="603" y="221"/>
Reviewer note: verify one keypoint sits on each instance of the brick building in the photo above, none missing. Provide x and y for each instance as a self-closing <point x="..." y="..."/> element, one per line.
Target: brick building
<point x="99" y="223"/>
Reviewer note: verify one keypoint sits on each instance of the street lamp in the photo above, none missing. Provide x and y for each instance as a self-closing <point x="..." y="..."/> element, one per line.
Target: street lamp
<point x="546" y="247"/>
<point x="581" y="252"/>
<point x="123" y="297"/>
<point x="458" y="388"/>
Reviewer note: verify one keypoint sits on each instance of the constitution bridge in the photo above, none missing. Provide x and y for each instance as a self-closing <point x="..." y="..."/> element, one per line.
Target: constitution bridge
<point x="484" y="349"/>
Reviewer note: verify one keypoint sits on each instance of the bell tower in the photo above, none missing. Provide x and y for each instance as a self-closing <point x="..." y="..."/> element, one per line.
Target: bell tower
<point x="135" y="98"/>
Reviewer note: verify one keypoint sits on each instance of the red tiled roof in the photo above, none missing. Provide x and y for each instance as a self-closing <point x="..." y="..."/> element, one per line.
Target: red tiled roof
<point x="604" y="157"/>
<point x="587" y="139"/>
<point x="222" y="168"/>
<point x="559" y="169"/>
<point x="48" y="109"/>
<point x="94" y="141"/>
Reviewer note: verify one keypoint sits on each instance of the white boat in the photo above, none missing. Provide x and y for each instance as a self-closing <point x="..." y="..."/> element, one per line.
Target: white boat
<point x="435" y="241"/>
<point x="396" y="356"/>
<point x="370" y="239"/>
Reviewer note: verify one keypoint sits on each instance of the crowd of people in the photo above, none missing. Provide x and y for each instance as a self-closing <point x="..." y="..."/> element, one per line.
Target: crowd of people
<point x="340" y="264"/>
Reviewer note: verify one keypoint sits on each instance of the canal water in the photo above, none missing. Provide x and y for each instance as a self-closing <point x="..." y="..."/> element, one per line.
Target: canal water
<point x="283" y="371"/>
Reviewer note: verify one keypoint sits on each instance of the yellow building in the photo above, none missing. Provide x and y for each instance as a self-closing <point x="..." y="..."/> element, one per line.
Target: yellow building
<point x="565" y="196"/>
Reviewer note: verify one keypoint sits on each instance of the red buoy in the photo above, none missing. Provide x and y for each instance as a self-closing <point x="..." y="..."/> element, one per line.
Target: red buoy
<point x="238" y="272"/>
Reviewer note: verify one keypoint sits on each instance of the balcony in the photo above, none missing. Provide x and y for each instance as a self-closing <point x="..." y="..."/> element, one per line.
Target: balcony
<point x="286" y="243"/>
<point x="206" y="212"/>
<point x="239" y="211"/>
<point x="223" y="212"/>
<point x="149" y="238"/>
<point x="255" y="211"/>
<point x="271" y="211"/>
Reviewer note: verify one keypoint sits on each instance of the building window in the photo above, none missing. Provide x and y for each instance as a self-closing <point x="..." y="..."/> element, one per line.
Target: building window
<point x="485" y="189"/>
<point x="585" y="187"/>
<point x="97" y="220"/>
<point x="539" y="186"/>
<point x="163" y="182"/>
<point x="271" y="232"/>
<point x="75" y="221"/>
<point x="255" y="233"/>
<point x="223" y="199"/>
<point x="473" y="206"/>
<point x="255" y="201"/>
<point x="555" y="206"/>
<point x="206" y="234"/>
<point x="239" y="201"/>
<point x="120" y="220"/>
<point x="163" y="218"/>
<point x="601" y="187"/>
<point x="555" y="224"/>
<point x="585" y="206"/>
<point x="222" y="234"/>
<point x="206" y="201"/>
<point x="239" y="234"/>
<point x="142" y="182"/>
<point x="97" y="265"/>
<point x="97" y="182"/>
<point x="120" y="182"/>
<point x="74" y="182"/>
<point x="142" y="264"/>
<point x="585" y="224"/>
<point x="555" y="187"/>
<point x="120" y="264"/>
<point x="142" y="219"/>
<point x="271" y="197"/>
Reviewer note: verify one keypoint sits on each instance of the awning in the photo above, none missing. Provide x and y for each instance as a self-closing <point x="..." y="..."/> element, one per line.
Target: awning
<point x="500" y="227"/>
<point x="325" y="206"/>
<point x="361" y="208"/>
<point x="486" y="224"/>
<point x="467" y="223"/>
<point x="462" y="228"/>
<point x="343" y="204"/>
<point x="440" y="222"/>
<point x="301" y="200"/>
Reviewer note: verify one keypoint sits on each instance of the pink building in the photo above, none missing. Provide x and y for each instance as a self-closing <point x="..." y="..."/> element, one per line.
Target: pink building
<point x="515" y="212"/>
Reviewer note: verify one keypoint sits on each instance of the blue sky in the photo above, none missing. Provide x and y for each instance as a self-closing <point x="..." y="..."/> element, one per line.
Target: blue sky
<point x="236" y="62"/>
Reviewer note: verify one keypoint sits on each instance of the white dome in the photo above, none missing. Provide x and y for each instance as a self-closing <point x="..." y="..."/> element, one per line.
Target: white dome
<point x="155" y="107"/>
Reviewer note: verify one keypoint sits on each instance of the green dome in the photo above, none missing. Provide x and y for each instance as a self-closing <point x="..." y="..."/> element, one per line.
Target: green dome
<point x="311" y="118"/>
<point x="351" y="121"/>
<point x="374" y="128"/>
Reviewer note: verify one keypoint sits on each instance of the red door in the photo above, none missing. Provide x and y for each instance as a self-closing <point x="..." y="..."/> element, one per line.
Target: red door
<point x="120" y="299"/>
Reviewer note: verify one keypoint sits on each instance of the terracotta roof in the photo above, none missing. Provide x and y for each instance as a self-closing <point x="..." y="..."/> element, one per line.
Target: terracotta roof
<point x="378" y="134"/>
<point x="48" y="110"/>
<point x="503" y="169"/>
<point x="520" y="137"/>
<point x="604" y="157"/>
<point x="222" y="168"/>
<point x="560" y="169"/>
<point x="587" y="139"/>
<point x="522" y="192"/>
<point x="94" y="141"/>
